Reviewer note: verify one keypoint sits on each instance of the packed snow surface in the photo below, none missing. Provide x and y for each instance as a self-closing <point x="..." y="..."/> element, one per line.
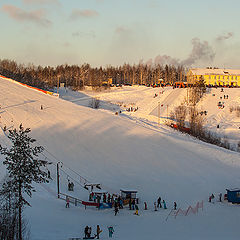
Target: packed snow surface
<point x="129" y="150"/>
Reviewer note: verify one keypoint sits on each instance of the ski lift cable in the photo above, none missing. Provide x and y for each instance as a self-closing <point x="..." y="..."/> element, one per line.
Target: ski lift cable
<point x="72" y="178"/>
<point x="67" y="166"/>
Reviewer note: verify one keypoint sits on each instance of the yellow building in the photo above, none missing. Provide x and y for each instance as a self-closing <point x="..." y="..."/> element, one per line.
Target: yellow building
<point x="215" y="76"/>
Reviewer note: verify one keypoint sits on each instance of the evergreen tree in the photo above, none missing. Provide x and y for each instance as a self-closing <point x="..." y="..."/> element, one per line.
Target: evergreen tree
<point x="21" y="161"/>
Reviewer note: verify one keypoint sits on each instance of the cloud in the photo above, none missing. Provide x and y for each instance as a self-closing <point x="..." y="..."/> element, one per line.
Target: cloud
<point x="86" y="13"/>
<point x="37" y="16"/>
<point x="40" y="1"/>
<point x="89" y="34"/>
<point x="225" y="37"/>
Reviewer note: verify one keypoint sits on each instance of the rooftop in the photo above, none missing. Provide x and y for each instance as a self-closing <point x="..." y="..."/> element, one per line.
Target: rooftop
<point x="215" y="71"/>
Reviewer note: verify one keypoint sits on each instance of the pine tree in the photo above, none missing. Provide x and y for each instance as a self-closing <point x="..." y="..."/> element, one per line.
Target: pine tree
<point x="24" y="168"/>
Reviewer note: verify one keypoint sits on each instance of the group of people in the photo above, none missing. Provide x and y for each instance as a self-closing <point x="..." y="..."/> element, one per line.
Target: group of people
<point x="88" y="232"/>
<point x="162" y="204"/>
<point x="212" y="197"/>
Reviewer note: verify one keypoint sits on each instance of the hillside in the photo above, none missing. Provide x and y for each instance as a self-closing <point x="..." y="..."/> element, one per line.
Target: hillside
<point x="122" y="152"/>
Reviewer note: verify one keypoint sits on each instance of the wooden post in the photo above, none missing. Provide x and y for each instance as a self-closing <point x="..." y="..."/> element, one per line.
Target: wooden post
<point x="58" y="189"/>
<point x="158" y="113"/>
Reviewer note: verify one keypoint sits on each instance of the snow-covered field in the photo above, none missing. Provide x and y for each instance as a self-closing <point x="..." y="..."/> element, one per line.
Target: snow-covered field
<point x="129" y="151"/>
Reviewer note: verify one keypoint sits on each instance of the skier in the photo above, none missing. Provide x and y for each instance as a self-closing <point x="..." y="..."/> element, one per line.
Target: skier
<point x="164" y="204"/>
<point x="175" y="206"/>
<point x="67" y="202"/>
<point x="110" y="231"/>
<point x="136" y="207"/>
<point x="98" y="231"/>
<point x="210" y="199"/>
<point x="159" y="202"/>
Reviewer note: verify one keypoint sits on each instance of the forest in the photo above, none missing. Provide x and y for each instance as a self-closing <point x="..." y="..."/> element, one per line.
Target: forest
<point x="79" y="76"/>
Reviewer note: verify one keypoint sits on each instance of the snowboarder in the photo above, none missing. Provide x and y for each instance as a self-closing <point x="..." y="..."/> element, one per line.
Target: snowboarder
<point x="110" y="231"/>
<point x="164" y="204"/>
<point x="98" y="231"/>
<point x="136" y="207"/>
<point x="175" y="206"/>
<point x="41" y="107"/>
<point x="67" y="202"/>
<point x="159" y="202"/>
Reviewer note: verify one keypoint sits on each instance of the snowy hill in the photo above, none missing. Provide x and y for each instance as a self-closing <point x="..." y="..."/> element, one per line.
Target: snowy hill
<point x="122" y="152"/>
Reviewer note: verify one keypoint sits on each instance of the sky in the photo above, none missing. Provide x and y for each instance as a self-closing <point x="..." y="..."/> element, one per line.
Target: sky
<point x="112" y="32"/>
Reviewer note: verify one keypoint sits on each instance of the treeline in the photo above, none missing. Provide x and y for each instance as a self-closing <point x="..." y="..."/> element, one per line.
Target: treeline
<point x="79" y="76"/>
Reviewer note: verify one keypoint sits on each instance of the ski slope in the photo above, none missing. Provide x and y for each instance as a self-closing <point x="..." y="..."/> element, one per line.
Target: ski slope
<point x="119" y="151"/>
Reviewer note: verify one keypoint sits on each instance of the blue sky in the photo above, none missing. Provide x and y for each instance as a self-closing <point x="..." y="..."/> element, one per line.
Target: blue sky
<point x="102" y="32"/>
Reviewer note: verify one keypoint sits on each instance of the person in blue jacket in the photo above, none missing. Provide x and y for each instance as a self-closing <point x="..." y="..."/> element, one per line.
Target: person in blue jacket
<point x="110" y="231"/>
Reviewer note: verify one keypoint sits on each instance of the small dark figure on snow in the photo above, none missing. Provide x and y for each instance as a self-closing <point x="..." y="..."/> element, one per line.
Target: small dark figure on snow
<point x="220" y="197"/>
<point x="109" y="198"/>
<point x="86" y="232"/>
<point x="41" y="107"/>
<point x="67" y="202"/>
<point x="130" y="204"/>
<point x="98" y="231"/>
<point x="175" y="206"/>
<point x="116" y="210"/>
<point x="155" y="206"/>
<point x="133" y="204"/>
<point x="145" y="206"/>
<point x="159" y="202"/>
<point x="49" y="175"/>
<point x="89" y="232"/>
